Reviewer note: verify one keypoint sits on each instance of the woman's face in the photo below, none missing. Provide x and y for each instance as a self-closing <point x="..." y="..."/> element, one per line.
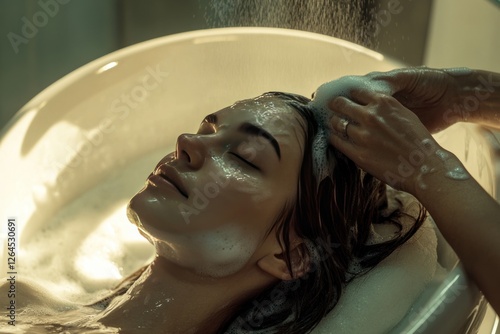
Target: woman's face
<point x="209" y="204"/>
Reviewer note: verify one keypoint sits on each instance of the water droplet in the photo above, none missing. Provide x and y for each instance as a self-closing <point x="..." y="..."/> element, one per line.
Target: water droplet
<point x="457" y="173"/>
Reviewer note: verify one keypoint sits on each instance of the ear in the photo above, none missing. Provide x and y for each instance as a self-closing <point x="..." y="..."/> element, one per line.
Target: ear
<point x="275" y="264"/>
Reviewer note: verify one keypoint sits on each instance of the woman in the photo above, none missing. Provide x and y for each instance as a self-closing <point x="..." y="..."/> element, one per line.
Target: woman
<point x="246" y="239"/>
<point x="420" y="101"/>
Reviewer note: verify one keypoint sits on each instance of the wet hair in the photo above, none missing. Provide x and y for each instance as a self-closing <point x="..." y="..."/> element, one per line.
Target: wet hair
<point x="334" y="219"/>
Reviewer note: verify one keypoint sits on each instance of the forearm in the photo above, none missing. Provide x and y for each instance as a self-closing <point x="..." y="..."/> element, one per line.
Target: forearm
<point x="479" y="98"/>
<point x="469" y="219"/>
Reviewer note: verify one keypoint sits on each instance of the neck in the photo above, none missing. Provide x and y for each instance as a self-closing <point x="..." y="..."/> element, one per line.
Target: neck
<point x="169" y="299"/>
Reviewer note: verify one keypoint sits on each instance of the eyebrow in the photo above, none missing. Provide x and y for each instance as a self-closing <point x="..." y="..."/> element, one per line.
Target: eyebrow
<point x="253" y="130"/>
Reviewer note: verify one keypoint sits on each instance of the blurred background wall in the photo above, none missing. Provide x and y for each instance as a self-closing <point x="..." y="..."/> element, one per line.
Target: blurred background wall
<point x="42" y="40"/>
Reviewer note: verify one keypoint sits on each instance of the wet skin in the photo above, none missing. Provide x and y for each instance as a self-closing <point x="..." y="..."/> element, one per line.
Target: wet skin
<point x="228" y="182"/>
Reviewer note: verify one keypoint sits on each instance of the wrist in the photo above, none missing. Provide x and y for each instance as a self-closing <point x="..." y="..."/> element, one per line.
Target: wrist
<point x="478" y="96"/>
<point x="438" y="174"/>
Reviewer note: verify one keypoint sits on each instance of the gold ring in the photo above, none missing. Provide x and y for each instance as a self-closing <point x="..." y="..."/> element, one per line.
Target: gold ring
<point x="345" y="124"/>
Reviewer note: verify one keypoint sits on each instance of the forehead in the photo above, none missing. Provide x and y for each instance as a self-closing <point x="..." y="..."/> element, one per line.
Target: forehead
<point x="270" y="113"/>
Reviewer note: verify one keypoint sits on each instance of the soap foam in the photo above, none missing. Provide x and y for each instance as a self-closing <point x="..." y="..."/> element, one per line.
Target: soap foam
<point x="458" y="71"/>
<point x="89" y="246"/>
<point x="454" y="169"/>
<point x="424" y="170"/>
<point x="323" y="162"/>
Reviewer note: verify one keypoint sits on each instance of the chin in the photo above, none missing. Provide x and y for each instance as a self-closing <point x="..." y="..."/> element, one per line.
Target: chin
<point x="137" y="208"/>
<point x="132" y="215"/>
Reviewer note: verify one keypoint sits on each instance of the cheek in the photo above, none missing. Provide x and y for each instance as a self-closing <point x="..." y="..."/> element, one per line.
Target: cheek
<point x="251" y="189"/>
<point x="155" y="212"/>
<point x="235" y="183"/>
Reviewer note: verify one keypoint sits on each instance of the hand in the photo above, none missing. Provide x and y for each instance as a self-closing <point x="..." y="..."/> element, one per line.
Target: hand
<point x="432" y="94"/>
<point x="383" y="138"/>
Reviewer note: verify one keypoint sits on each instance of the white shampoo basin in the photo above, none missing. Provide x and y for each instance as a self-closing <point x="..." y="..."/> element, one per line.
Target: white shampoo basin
<point x="120" y="113"/>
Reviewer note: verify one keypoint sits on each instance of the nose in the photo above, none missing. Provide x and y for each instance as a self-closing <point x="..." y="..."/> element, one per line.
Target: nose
<point x="191" y="149"/>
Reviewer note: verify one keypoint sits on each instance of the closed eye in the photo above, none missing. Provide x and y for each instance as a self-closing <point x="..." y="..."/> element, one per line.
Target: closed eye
<point x="245" y="161"/>
<point x="206" y="128"/>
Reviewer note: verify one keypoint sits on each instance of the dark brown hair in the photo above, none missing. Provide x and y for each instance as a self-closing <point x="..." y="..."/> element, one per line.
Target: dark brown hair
<point x="335" y="219"/>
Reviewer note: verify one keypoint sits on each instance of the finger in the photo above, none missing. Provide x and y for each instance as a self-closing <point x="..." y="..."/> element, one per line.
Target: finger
<point x="365" y="97"/>
<point x="345" y="108"/>
<point x="392" y="78"/>
<point x="345" y="146"/>
<point x="407" y="79"/>
<point x="340" y="105"/>
<point x="343" y="128"/>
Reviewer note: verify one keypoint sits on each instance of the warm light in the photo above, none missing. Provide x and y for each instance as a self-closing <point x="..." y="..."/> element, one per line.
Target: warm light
<point x="213" y="39"/>
<point x="101" y="252"/>
<point x="107" y="67"/>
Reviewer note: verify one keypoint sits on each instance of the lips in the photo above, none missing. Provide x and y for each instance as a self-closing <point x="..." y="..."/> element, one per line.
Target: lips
<point x="171" y="175"/>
